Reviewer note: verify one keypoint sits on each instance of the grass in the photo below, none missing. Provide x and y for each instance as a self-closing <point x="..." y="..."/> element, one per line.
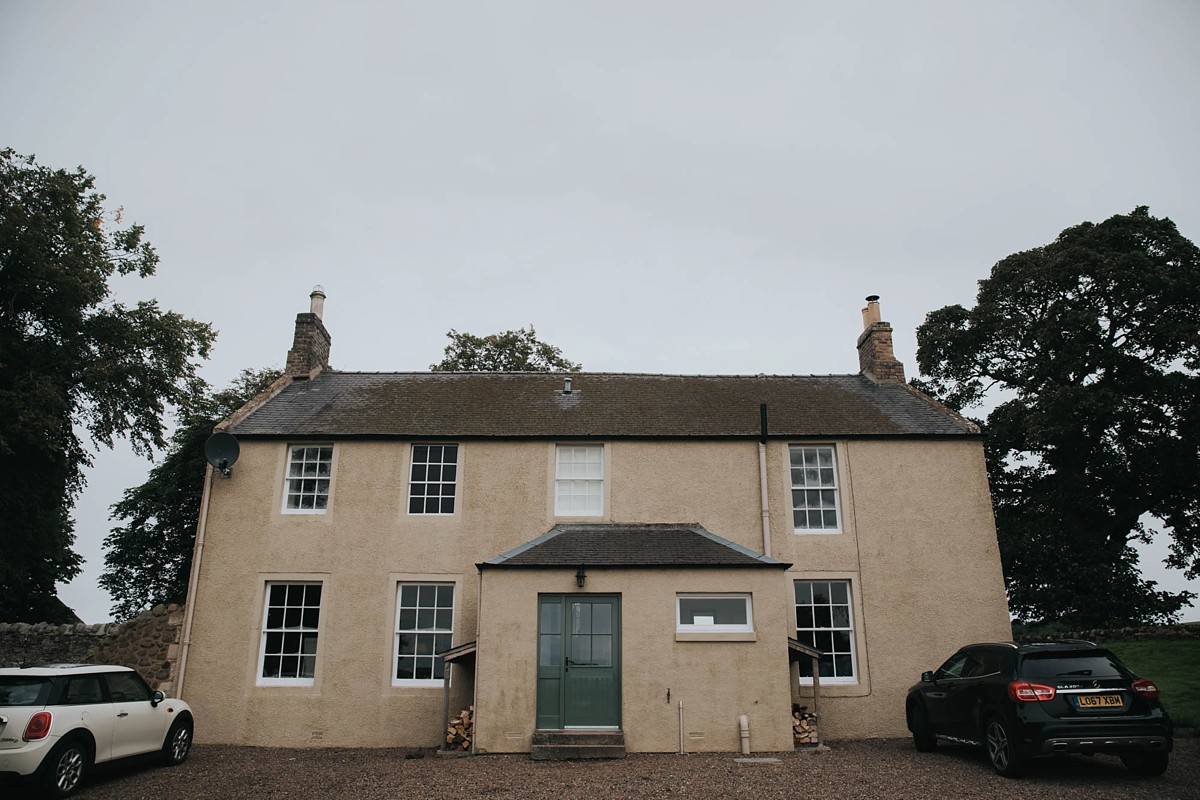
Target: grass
<point x="1173" y="664"/>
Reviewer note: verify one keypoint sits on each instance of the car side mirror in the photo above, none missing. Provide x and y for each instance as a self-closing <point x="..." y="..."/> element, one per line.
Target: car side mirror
<point x="157" y="698"/>
<point x="926" y="677"/>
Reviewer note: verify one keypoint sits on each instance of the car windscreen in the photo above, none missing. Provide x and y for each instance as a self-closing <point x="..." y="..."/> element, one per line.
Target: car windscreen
<point x="21" y="690"/>
<point x="1089" y="664"/>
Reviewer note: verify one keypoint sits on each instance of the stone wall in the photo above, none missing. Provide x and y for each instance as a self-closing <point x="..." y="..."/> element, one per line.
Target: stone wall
<point x="149" y="643"/>
<point x="1186" y="630"/>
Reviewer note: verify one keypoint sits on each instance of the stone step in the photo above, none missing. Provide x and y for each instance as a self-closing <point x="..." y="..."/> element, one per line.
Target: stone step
<point x="562" y="745"/>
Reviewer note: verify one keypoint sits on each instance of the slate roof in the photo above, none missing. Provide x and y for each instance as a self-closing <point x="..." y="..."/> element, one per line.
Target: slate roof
<point x="623" y="545"/>
<point x="467" y="405"/>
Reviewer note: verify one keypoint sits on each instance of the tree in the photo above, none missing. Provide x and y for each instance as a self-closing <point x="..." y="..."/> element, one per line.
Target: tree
<point x="148" y="560"/>
<point x="1091" y="346"/>
<point x="74" y="366"/>
<point x="510" y="351"/>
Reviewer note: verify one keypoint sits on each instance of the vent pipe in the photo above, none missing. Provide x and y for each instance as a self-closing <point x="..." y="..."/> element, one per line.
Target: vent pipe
<point x="762" y="480"/>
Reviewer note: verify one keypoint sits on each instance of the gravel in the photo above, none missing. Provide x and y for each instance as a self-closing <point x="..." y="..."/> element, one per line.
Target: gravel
<point x="878" y="768"/>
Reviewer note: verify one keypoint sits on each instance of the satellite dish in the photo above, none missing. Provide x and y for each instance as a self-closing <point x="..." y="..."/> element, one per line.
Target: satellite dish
<point x="222" y="450"/>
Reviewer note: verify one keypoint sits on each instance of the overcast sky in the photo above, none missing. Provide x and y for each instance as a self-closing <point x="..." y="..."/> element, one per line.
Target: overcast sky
<point x="679" y="187"/>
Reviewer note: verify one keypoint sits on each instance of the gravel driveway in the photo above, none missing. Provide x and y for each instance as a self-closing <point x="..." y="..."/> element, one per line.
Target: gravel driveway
<point x="880" y="768"/>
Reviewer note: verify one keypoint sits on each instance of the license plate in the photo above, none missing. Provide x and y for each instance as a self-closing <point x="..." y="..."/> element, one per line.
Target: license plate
<point x="1099" y="701"/>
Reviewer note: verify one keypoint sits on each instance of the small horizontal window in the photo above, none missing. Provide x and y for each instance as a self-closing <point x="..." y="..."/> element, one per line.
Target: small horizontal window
<point x="713" y="613"/>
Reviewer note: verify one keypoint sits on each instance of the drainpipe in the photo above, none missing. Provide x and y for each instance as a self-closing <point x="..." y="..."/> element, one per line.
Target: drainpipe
<point x="744" y="733"/>
<point x="682" y="749"/>
<point x="762" y="479"/>
<point x="194" y="581"/>
<point x="478" y="643"/>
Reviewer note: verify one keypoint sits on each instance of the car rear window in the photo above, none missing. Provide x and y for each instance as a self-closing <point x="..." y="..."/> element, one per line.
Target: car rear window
<point x="18" y="690"/>
<point x="1089" y="664"/>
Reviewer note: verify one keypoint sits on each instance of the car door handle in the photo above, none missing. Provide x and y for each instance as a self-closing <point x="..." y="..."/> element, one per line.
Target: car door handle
<point x="123" y="714"/>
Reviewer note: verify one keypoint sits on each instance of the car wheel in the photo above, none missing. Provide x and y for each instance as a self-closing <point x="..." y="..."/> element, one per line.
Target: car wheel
<point x="923" y="738"/>
<point x="178" y="743"/>
<point x="64" y="769"/>
<point x="1002" y="750"/>
<point x="1145" y="763"/>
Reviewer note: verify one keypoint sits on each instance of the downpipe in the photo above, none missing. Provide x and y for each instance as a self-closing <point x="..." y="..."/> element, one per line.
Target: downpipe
<point x="744" y="733"/>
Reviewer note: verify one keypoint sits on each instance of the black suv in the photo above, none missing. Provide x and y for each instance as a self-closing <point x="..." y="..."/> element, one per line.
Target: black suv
<point x="1021" y="701"/>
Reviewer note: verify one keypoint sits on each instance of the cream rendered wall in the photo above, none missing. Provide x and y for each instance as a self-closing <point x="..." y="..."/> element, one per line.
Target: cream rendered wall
<point x="918" y="541"/>
<point x="715" y="680"/>
<point x="919" y="548"/>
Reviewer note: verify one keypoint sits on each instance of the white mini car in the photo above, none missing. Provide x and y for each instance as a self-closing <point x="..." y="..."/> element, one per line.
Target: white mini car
<point x="58" y="720"/>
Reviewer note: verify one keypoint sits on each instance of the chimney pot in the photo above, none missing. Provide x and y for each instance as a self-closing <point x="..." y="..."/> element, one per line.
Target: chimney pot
<point x="567" y="385"/>
<point x="317" y="301"/>
<point x="870" y="314"/>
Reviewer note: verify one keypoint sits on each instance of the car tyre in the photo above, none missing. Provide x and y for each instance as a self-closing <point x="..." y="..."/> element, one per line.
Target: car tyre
<point x="1002" y="749"/>
<point x="923" y="738"/>
<point x="1145" y="763"/>
<point x="64" y="769"/>
<point x="178" y="743"/>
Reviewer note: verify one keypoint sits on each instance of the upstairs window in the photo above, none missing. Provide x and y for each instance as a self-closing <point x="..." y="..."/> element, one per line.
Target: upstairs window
<point x="306" y="487"/>
<point x="433" y="478"/>
<point x="814" y="489"/>
<point x="579" y="480"/>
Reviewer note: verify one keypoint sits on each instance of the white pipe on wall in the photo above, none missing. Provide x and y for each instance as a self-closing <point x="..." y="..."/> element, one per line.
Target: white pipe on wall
<point x="194" y="582"/>
<point x="744" y="733"/>
<point x="682" y="751"/>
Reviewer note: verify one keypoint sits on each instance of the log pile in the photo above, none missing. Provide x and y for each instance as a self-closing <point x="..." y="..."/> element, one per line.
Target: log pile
<point x="804" y="726"/>
<point x="461" y="730"/>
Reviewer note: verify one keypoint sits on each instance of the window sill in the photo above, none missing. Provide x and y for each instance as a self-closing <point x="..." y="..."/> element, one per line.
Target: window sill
<point x="433" y="683"/>
<point x="834" y="688"/>
<point x="295" y="683"/>
<point x="716" y="636"/>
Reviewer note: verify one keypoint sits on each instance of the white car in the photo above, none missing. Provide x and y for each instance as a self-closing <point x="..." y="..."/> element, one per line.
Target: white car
<point x="58" y="720"/>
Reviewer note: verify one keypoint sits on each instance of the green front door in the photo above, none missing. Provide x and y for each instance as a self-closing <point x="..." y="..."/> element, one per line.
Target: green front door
<point x="579" y="661"/>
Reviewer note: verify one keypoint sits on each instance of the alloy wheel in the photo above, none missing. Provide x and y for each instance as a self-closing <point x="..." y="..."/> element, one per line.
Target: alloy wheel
<point x="69" y="769"/>
<point x="998" y="745"/>
<point x="180" y="744"/>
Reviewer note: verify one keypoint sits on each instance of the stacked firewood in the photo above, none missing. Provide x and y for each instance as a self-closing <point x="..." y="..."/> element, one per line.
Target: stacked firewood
<point x="461" y="730"/>
<point x="804" y="725"/>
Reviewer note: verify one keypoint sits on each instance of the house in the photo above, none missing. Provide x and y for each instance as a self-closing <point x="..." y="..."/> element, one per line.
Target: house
<point x="644" y="555"/>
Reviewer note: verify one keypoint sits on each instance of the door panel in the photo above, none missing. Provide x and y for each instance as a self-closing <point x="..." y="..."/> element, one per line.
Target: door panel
<point x="138" y="727"/>
<point x="551" y="660"/>
<point x="579" y="660"/>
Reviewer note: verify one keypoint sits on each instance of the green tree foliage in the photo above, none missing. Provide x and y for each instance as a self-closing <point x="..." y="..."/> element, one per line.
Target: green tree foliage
<point x="510" y="351"/>
<point x="148" y="560"/>
<point x="1091" y="346"/>
<point x="74" y="365"/>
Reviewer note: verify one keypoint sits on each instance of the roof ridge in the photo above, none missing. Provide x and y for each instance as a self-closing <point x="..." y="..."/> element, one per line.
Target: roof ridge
<point x="493" y="373"/>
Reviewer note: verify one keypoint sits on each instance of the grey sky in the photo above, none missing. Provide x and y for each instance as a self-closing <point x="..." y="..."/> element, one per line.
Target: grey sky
<point x="658" y="187"/>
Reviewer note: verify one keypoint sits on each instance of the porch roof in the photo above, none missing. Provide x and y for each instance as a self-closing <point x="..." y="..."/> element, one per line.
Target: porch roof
<point x="631" y="545"/>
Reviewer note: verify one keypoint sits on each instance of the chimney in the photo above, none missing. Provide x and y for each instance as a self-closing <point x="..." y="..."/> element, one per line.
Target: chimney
<point x="310" y="349"/>
<point x="875" y="357"/>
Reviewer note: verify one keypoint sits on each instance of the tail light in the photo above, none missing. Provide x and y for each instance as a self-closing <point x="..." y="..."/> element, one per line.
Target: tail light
<point x="1145" y="688"/>
<point x="38" y="727"/>
<point x="1024" y="692"/>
